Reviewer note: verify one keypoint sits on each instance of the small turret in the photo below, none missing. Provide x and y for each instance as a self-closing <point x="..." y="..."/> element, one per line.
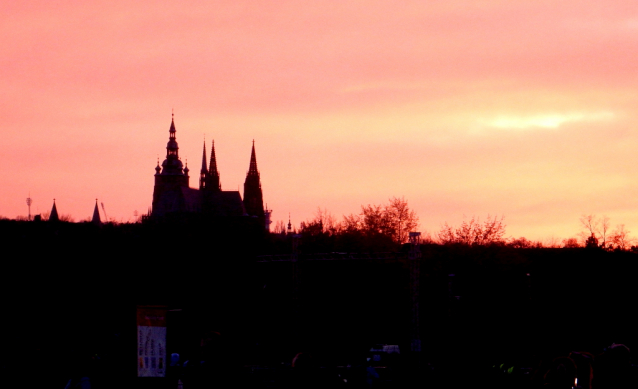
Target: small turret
<point x="96" y="215"/>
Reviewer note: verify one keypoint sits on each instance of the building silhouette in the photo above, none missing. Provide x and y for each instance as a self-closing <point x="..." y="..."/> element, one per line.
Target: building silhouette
<point x="172" y="194"/>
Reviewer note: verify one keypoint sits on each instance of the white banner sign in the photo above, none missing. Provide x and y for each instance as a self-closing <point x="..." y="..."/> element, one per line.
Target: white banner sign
<point x="151" y="341"/>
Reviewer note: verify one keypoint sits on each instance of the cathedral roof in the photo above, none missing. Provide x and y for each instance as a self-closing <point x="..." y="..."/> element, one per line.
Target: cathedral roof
<point x="227" y="203"/>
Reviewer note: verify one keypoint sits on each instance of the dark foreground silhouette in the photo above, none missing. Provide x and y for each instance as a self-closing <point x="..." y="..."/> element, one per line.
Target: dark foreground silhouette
<point x="496" y="315"/>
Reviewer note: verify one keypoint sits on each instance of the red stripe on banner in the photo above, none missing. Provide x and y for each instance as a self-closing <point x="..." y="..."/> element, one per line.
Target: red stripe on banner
<point x="151" y="316"/>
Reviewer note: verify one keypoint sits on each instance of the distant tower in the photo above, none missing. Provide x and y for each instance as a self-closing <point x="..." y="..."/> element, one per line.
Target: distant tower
<point x="289" y="225"/>
<point x="253" y="198"/>
<point x="53" y="217"/>
<point x="169" y="179"/>
<point x="96" y="215"/>
<point x="29" y="202"/>
<point x="267" y="218"/>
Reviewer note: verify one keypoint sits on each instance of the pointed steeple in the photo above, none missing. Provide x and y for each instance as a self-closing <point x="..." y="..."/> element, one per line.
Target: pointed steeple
<point x="213" y="174"/>
<point x="252" y="170"/>
<point x="204" y="169"/>
<point x="253" y="198"/>
<point x="172" y="165"/>
<point x="53" y="217"/>
<point x="204" y="172"/>
<point x="96" y="215"/>
<point x="171" y="147"/>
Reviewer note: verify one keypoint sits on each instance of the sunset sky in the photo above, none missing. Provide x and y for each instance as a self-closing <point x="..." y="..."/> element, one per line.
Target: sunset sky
<point x="525" y="109"/>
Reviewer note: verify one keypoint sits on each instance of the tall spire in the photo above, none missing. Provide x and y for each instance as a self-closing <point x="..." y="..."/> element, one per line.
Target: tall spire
<point x="172" y="164"/>
<point x="213" y="159"/>
<point x="213" y="174"/>
<point x="171" y="146"/>
<point x="252" y="170"/>
<point x="204" y="172"/>
<point x="253" y="197"/>
<point x="204" y="169"/>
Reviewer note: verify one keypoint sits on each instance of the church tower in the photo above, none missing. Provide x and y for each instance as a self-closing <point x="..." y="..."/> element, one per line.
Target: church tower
<point x="169" y="179"/>
<point x="253" y="198"/>
<point x="173" y="199"/>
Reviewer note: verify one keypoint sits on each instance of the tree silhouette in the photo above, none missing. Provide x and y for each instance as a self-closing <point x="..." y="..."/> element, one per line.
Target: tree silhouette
<point x="620" y="238"/>
<point x="591" y="242"/>
<point x="595" y="229"/>
<point x="401" y="219"/>
<point x="571" y="243"/>
<point x="474" y="233"/>
<point x="395" y="220"/>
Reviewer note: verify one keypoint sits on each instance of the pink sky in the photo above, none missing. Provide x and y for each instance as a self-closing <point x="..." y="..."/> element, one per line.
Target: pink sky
<point x="526" y="109"/>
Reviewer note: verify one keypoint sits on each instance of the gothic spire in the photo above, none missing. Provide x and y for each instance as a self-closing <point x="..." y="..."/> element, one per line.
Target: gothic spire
<point x="213" y="160"/>
<point x="252" y="170"/>
<point x="213" y="173"/>
<point x="204" y="169"/>
<point x="253" y="197"/>
<point x="204" y="172"/>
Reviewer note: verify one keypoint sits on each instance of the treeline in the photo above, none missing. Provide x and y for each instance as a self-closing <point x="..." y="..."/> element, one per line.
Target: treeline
<point x="376" y="228"/>
<point x="387" y="226"/>
<point x="597" y="233"/>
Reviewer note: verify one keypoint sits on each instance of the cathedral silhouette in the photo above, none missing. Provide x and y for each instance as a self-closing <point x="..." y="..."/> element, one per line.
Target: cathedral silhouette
<point x="172" y="194"/>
